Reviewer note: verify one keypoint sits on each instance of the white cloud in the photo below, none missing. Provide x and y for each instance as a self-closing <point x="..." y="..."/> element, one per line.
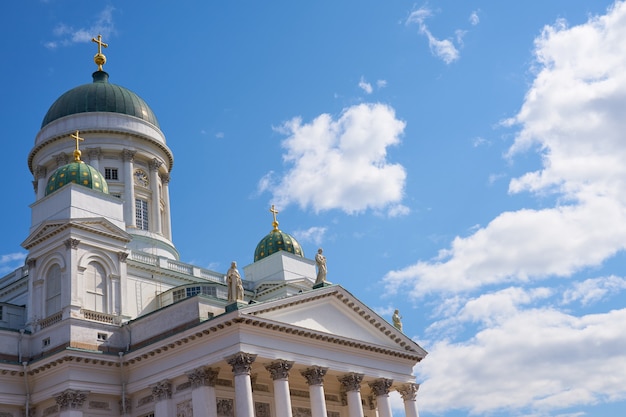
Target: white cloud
<point x="573" y="115"/>
<point x="365" y="86"/>
<point x="11" y="261"/>
<point x="381" y="83"/>
<point x="531" y="361"/>
<point x="595" y="289"/>
<point x="474" y="19"/>
<point x="341" y="164"/>
<point x="442" y="48"/>
<point x="69" y="35"/>
<point x="313" y="234"/>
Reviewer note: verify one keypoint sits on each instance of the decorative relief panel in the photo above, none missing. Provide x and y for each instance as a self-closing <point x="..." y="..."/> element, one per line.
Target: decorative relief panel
<point x="262" y="410"/>
<point x="98" y="405"/>
<point x="301" y="412"/>
<point x="184" y="409"/>
<point x="225" y="407"/>
<point x="53" y="409"/>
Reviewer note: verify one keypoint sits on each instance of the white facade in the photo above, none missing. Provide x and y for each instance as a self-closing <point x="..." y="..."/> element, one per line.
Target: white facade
<point x="104" y="320"/>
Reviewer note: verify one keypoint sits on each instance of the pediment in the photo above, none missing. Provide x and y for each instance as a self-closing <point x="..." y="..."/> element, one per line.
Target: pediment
<point x="334" y="311"/>
<point x="98" y="226"/>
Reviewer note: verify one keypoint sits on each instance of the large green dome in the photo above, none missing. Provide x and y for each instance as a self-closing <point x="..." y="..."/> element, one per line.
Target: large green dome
<point x="275" y="241"/>
<point x="100" y="96"/>
<point x="77" y="172"/>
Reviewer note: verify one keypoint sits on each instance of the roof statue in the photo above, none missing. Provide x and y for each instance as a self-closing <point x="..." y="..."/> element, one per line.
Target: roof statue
<point x="235" y="286"/>
<point x="397" y="323"/>
<point x="320" y="260"/>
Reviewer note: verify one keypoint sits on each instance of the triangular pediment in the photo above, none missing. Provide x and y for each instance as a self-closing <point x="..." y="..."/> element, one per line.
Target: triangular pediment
<point x="334" y="311"/>
<point x="99" y="226"/>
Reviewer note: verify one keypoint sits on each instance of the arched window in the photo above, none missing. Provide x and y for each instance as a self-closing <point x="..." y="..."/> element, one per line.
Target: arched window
<point x="53" y="290"/>
<point x="95" y="288"/>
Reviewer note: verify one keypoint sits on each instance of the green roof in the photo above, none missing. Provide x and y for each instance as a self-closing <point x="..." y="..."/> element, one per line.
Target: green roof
<point x="77" y="172"/>
<point x="100" y="96"/>
<point x="275" y="241"/>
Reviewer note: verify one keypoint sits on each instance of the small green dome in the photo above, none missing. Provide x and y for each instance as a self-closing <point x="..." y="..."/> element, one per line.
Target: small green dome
<point x="77" y="172"/>
<point x="100" y="96"/>
<point x="275" y="241"/>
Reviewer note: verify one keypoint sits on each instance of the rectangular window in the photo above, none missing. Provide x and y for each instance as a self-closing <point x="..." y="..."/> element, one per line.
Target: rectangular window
<point x="141" y="214"/>
<point x="110" y="174"/>
<point x="1" y="313"/>
<point x="45" y="342"/>
<point x="102" y="337"/>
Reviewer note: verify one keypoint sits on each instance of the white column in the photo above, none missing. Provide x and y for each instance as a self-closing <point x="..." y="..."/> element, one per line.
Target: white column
<point x="71" y="402"/>
<point x="315" y="378"/>
<point x="128" y="157"/>
<point x="40" y="176"/>
<point x="94" y="155"/>
<point x="409" y="393"/>
<point x="242" y="364"/>
<point x="380" y="388"/>
<point x="156" y="205"/>
<point x="282" y="398"/>
<point x="162" y="395"/>
<point x="167" y="221"/>
<point x="352" y="386"/>
<point x="203" y="397"/>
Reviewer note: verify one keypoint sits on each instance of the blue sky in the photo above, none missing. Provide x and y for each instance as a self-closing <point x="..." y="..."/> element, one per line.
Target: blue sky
<point x="460" y="161"/>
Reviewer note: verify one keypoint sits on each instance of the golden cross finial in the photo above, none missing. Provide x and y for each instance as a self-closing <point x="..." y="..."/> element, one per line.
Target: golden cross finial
<point x="274" y="212"/>
<point x="77" y="151"/>
<point x="99" y="58"/>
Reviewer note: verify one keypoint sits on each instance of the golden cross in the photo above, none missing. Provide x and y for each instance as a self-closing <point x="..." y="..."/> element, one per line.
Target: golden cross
<point x="274" y="212"/>
<point x="77" y="152"/>
<point x="100" y="43"/>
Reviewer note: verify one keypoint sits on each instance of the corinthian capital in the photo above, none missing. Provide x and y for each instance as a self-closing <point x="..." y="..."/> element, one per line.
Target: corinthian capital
<point x="241" y="362"/>
<point x="351" y="382"/>
<point x="279" y="369"/>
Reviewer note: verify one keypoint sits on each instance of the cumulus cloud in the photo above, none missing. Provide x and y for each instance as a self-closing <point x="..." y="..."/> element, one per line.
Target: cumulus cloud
<point x="531" y="361"/>
<point x="572" y="115"/>
<point x="441" y="48"/>
<point x="595" y="289"/>
<point x="519" y="349"/>
<point x="341" y="164"/>
<point x="66" y="35"/>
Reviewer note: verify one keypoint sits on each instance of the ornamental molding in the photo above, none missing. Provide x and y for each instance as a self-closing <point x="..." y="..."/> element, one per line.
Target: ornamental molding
<point x="203" y="377"/>
<point x="71" y="399"/>
<point x="128" y="155"/>
<point x="314" y="375"/>
<point x="408" y="392"/>
<point x="380" y="387"/>
<point x="155" y="164"/>
<point x="279" y="369"/>
<point x="351" y="382"/>
<point x="241" y="363"/>
<point x="71" y="243"/>
<point x="162" y="390"/>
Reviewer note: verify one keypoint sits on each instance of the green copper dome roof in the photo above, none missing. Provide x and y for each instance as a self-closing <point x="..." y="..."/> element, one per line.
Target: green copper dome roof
<point x="77" y="172"/>
<point x="100" y="96"/>
<point x="275" y="241"/>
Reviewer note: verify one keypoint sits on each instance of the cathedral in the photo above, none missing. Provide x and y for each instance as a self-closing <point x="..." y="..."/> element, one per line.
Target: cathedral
<point x="103" y="319"/>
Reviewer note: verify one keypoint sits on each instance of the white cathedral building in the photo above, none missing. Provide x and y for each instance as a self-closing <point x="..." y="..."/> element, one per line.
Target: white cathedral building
<point x="104" y="319"/>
